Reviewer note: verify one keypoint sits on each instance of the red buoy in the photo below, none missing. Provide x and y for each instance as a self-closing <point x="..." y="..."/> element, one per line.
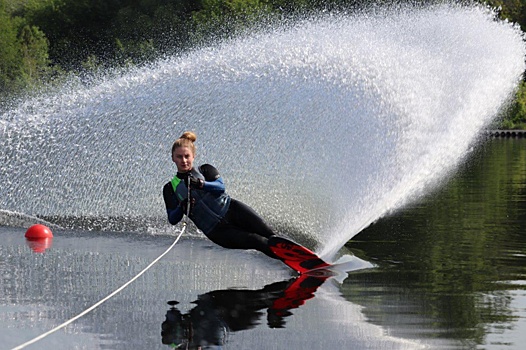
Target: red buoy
<point x="39" y="238"/>
<point x="38" y="231"/>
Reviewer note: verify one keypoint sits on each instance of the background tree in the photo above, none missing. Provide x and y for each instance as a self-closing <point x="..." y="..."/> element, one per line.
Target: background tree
<point x="9" y="54"/>
<point x="24" y="60"/>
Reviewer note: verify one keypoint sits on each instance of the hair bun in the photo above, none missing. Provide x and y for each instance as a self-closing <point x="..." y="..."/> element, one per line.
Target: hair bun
<point x="189" y="135"/>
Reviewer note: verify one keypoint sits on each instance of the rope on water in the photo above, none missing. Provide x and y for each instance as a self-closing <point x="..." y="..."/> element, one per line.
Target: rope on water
<point x="34" y="340"/>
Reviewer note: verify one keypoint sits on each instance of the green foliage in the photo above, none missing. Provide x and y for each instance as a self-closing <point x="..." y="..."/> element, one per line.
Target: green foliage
<point x="158" y="28"/>
<point x="513" y="10"/>
<point x="9" y="54"/>
<point x="33" y="46"/>
<point x="24" y="60"/>
<point x="76" y="29"/>
<point x="224" y="18"/>
<point x="515" y="117"/>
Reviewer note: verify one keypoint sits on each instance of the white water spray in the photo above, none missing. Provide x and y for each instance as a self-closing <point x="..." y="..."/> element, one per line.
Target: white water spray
<point x="323" y="127"/>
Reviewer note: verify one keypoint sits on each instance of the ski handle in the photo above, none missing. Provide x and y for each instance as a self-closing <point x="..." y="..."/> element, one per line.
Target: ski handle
<point x="188" y="203"/>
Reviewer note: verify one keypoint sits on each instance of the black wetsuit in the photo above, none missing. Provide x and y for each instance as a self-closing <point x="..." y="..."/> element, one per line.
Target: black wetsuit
<point x="238" y="226"/>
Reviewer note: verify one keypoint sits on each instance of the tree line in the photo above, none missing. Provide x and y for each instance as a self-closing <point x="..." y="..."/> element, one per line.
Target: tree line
<point x="41" y="41"/>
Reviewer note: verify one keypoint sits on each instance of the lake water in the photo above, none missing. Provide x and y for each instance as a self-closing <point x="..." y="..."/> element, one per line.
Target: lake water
<point x="445" y="273"/>
<point x="454" y="264"/>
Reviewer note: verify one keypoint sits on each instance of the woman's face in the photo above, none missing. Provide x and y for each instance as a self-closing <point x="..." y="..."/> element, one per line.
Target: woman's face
<point x="183" y="158"/>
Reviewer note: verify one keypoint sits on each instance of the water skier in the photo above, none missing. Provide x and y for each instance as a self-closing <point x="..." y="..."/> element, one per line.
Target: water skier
<point x="224" y="220"/>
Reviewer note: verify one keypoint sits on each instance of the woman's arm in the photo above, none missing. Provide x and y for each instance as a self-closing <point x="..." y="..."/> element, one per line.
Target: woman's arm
<point x="173" y="209"/>
<point x="213" y="181"/>
<point x="174" y="215"/>
<point x="217" y="186"/>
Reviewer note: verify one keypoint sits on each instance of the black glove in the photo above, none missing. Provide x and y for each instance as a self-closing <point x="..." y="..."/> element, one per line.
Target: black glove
<point x="196" y="183"/>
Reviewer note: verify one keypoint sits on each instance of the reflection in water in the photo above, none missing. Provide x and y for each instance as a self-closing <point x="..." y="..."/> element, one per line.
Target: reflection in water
<point x="39" y="291"/>
<point x="219" y="312"/>
<point x="39" y="245"/>
<point x="459" y="254"/>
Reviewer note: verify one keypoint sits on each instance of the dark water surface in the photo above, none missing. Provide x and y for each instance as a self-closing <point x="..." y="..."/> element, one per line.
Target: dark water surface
<point x="454" y="265"/>
<point x="449" y="273"/>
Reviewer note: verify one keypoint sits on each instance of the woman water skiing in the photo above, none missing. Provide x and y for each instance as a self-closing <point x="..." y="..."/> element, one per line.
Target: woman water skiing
<point x="224" y="220"/>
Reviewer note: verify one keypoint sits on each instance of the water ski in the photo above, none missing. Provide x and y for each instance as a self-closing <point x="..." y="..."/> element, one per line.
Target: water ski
<point x="295" y="256"/>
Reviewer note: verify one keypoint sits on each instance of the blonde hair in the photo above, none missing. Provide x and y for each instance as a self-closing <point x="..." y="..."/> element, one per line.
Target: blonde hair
<point x="187" y="139"/>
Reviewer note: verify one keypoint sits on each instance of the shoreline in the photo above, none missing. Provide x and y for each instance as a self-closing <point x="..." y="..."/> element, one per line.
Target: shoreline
<point x="506" y="133"/>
